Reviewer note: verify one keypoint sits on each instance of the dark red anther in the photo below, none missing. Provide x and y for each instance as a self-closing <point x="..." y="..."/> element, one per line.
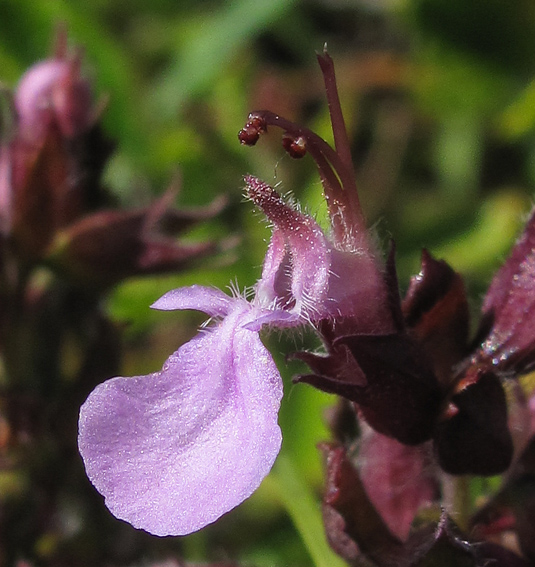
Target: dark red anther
<point x="296" y="147"/>
<point x="248" y="135"/>
<point x="258" y="122"/>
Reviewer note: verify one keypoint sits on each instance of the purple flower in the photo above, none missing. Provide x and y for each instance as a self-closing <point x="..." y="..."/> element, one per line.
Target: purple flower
<point x="370" y="356"/>
<point x="54" y="209"/>
<point x="174" y="450"/>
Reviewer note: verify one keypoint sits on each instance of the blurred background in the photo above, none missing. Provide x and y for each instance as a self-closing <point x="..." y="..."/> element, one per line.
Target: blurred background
<point x="439" y="99"/>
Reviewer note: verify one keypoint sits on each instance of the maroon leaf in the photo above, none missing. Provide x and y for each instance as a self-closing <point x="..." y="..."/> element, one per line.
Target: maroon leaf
<point x="436" y="311"/>
<point x="351" y="521"/>
<point x="474" y="437"/>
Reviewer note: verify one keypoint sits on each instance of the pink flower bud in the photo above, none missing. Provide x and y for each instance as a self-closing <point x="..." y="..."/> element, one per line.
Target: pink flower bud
<point x="51" y="162"/>
<point x="53" y="92"/>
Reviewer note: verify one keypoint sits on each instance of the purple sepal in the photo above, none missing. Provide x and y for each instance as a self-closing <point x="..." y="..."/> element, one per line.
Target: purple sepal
<point x="400" y="396"/>
<point x="475" y="438"/>
<point x="435" y="309"/>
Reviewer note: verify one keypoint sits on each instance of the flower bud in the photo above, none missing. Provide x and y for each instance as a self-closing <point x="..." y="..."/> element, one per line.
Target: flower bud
<point x="108" y="246"/>
<point x="53" y="92"/>
<point x="51" y="164"/>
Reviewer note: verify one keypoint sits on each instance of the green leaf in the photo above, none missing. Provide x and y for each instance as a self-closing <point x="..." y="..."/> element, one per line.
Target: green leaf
<point x="519" y="118"/>
<point x="211" y="47"/>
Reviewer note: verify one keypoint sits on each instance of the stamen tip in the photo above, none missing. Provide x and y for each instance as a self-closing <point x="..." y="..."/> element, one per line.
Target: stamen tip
<point x="296" y="147"/>
<point x="250" y="133"/>
<point x="248" y="136"/>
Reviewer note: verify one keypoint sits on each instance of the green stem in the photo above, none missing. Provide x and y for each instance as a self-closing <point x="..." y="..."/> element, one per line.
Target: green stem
<point x="304" y="510"/>
<point x="457" y="499"/>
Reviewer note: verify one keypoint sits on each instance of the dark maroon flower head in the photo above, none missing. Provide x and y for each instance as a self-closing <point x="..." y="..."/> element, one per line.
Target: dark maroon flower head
<point x="471" y="434"/>
<point x="433" y="397"/>
<point x="408" y="365"/>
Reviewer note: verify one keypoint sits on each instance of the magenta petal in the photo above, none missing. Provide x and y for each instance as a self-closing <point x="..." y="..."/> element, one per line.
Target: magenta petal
<point x="311" y="264"/>
<point x="173" y="451"/>
<point x="206" y="299"/>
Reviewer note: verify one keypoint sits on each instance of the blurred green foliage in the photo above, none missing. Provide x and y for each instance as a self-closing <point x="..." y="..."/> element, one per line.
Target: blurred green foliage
<point x="440" y="105"/>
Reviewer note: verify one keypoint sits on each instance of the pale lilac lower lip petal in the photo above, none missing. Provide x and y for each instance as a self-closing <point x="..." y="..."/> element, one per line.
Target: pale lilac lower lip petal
<point x="173" y="451"/>
<point x="206" y="299"/>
